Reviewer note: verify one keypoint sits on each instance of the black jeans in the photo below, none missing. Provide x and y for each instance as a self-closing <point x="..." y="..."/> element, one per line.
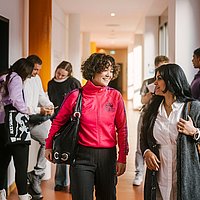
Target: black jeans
<point x="20" y="154"/>
<point x="94" y="168"/>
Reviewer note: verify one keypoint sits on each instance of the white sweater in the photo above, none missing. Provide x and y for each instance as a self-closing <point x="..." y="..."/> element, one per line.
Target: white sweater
<point x="34" y="95"/>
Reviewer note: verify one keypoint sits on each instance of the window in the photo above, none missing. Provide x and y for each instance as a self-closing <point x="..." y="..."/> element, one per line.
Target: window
<point x="4" y="43"/>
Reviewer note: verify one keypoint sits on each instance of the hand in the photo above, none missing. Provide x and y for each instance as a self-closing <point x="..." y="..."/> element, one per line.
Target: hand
<point x="47" y="110"/>
<point x="186" y="127"/>
<point x="152" y="161"/>
<point x="48" y="155"/>
<point x="145" y="99"/>
<point x="120" y="168"/>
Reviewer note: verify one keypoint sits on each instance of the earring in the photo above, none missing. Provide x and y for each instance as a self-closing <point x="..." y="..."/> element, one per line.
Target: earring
<point x="174" y="98"/>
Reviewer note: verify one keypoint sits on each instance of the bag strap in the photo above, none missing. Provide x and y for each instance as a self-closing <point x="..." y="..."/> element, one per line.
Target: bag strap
<point x="77" y="109"/>
<point x="189" y="106"/>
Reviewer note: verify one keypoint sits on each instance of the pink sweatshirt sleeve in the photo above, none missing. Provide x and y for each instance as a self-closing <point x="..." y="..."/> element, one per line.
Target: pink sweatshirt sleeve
<point x="62" y="117"/>
<point x="121" y="124"/>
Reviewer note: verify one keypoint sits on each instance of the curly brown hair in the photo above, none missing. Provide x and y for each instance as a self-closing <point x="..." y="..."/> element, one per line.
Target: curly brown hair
<point x="97" y="63"/>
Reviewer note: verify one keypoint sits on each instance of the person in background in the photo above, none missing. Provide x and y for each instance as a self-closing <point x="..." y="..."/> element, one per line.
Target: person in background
<point x="58" y="87"/>
<point x="146" y="92"/>
<point x="195" y="85"/>
<point x="169" y="137"/>
<point x="12" y="94"/>
<point x="103" y="125"/>
<point x="38" y="102"/>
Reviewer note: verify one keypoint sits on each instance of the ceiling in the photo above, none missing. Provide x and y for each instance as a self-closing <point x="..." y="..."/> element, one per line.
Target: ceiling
<point x="113" y="32"/>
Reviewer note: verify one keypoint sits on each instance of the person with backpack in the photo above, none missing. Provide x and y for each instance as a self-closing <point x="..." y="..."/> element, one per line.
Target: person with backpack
<point x="12" y="95"/>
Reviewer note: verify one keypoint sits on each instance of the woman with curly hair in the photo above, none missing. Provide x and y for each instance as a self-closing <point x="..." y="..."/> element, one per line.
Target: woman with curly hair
<point x="103" y="125"/>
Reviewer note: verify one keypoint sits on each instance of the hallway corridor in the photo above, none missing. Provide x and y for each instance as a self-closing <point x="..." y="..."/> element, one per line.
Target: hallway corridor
<point x="125" y="190"/>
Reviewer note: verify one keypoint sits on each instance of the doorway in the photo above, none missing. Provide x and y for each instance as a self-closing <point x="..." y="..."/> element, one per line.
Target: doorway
<point x="4" y="43"/>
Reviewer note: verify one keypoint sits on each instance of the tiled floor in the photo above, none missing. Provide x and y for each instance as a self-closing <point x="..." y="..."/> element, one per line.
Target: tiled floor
<point x="125" y="190"/>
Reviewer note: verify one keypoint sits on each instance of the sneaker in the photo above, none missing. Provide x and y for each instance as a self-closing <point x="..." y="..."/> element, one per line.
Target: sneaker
<point x="34" y="195"/>
<point x="25" y="197"/>
<point x="2" y="194"/>
<point x="37" y="196"/>
<point x="35" y="181"/>
<point x="138" y="179"/>
<point x="59" y="188"/>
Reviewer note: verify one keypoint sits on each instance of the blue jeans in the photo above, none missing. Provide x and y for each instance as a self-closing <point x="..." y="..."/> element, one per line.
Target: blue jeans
<point x="139" y="160"/>
<point x="61" y="175"/>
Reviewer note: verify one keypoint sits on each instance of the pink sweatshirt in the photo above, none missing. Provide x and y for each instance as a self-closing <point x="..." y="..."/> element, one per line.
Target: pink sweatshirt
<point x="103" y="119"/>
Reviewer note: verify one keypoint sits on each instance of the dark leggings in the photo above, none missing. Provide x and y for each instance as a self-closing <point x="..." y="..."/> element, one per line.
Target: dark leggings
<point x="20" y="153"/>
<point x="94" y="167"/>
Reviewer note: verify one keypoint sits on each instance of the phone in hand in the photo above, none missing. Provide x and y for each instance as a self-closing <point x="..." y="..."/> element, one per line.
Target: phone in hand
<point x="151" y="87"/>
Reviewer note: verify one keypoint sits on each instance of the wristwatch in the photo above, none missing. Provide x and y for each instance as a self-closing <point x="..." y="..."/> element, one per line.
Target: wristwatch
<point x="196" y="135"/>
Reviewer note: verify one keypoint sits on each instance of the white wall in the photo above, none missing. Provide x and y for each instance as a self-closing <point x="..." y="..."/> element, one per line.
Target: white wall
<point x="59" y="36"/>
<point x="75" y="44"/>
<point x="85" y="46"/>
<point x="150" y="45"/>
<point x="184" y="29"/>
<point x="134" y="75"/>
<point x="13" y="10"/>
<point x="66" y="39"/>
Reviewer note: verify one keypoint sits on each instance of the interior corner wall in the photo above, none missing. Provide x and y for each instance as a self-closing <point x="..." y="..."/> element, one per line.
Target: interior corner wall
<point x="40" y="29"/>
<point x="150" y="45"/>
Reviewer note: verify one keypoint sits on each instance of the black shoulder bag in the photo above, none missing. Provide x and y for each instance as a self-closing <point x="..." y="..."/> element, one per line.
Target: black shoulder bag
<point x="66" y="139"/>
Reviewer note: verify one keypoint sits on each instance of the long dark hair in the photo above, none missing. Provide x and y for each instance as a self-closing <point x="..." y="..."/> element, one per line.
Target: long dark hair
<point x="23" y="67"/>
<point x="176" y="82"/>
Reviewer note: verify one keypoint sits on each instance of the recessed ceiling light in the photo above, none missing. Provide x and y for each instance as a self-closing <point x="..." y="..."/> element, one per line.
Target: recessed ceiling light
<point x="112" y="52"/>
<point x="112" y="14"/>
<point x="112" y="25"/>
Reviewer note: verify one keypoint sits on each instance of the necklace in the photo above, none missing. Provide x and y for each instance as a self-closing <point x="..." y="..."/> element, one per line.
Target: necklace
<point x="168" y="108"/>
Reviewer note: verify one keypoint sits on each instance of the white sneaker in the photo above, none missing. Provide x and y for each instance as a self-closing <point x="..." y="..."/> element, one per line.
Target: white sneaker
<point x="2" y="194"/>
<point x="138" y="179"/>
<point x="25" y="197"/>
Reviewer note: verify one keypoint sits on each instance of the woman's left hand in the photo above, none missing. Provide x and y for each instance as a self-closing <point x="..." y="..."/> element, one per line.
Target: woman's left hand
<point x="48" y="154"/>
<point x="186" y="127"/>
<point x="120" y="168"/>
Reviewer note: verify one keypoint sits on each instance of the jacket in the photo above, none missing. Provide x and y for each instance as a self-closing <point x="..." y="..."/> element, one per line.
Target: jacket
<point x="58" y="90"/>
<point x="103" y="114"/>
<point x="195" y="86"/>
<point x="188" y="165"/>
<point x="15" y="97"/>
<point x="34" y="95"/>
